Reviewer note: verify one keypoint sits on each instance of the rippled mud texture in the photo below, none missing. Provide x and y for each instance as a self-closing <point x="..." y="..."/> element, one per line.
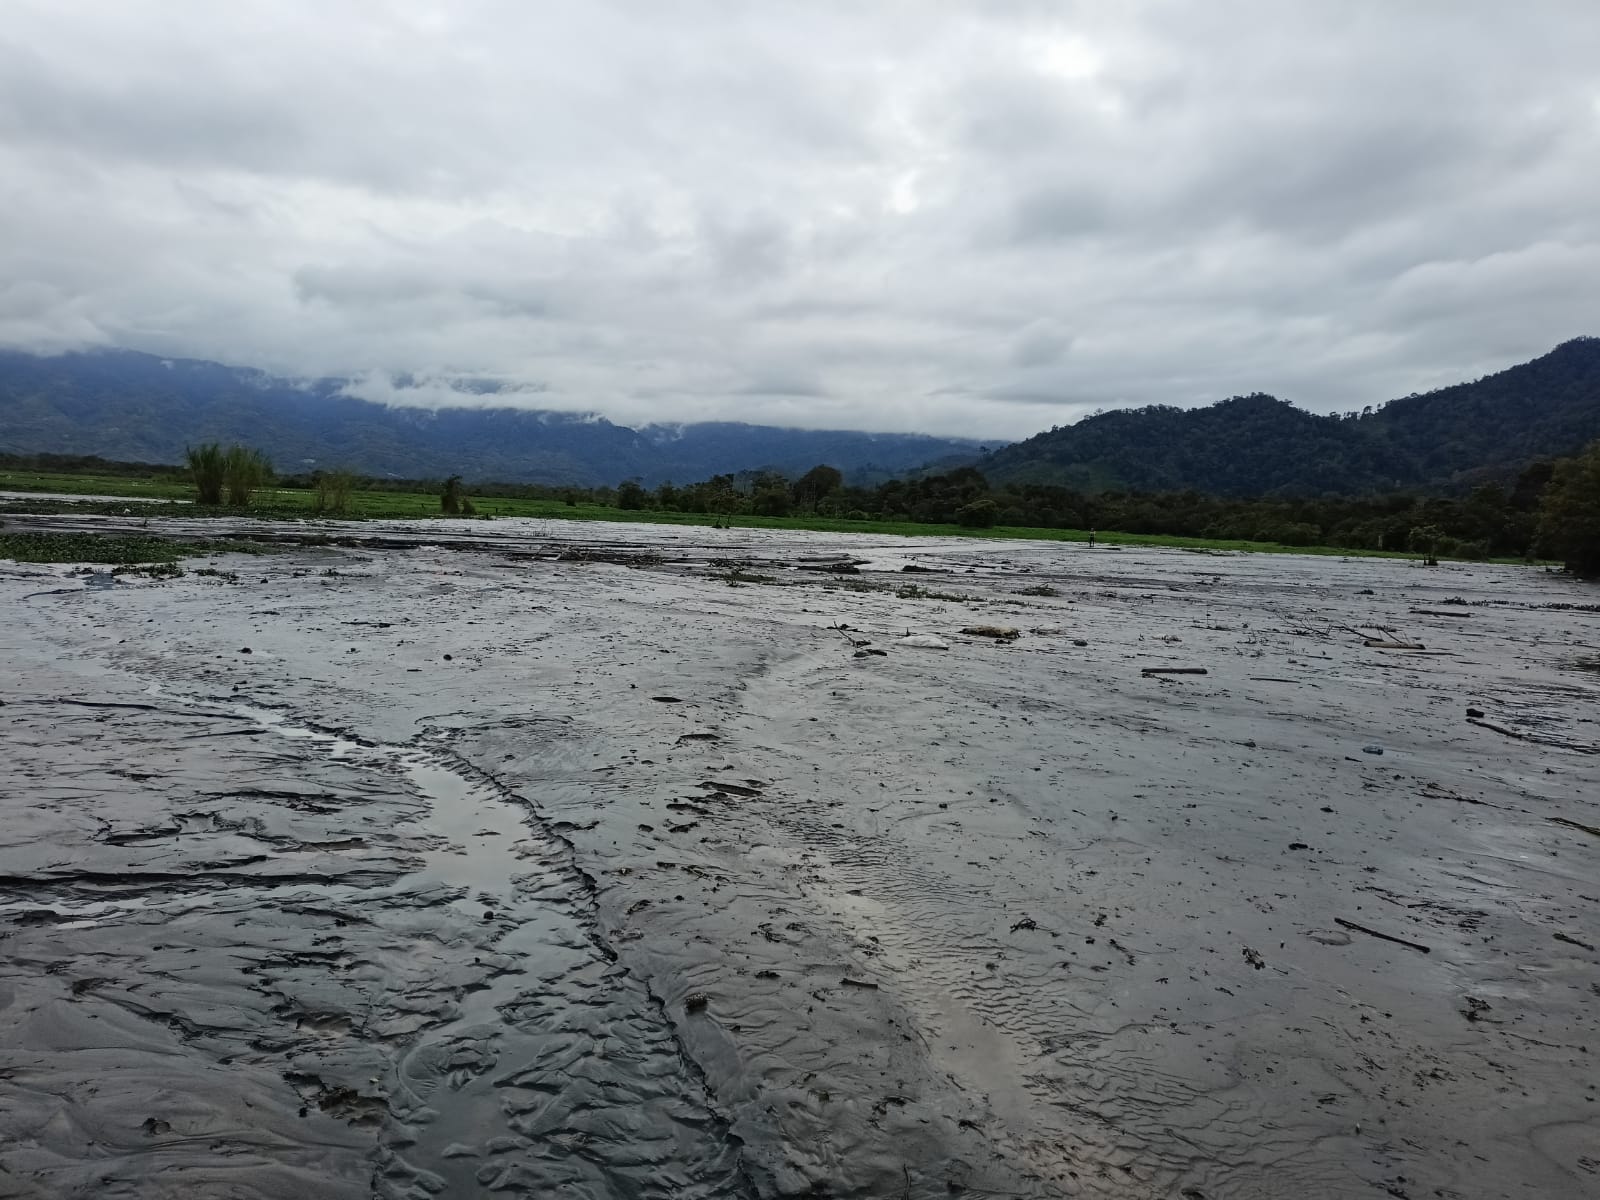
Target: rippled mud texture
<point x="532" y="859"/>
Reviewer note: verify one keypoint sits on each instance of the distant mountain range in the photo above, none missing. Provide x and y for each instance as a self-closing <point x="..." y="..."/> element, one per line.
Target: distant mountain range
<point x="134" y="407"/>
<point x="1258" y="445"/>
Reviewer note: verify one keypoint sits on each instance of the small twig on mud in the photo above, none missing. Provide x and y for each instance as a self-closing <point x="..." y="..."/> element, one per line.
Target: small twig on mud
<point x="1387" y="937"/>
<point x="907" y="1171"/>
<point x="842" y="632"/>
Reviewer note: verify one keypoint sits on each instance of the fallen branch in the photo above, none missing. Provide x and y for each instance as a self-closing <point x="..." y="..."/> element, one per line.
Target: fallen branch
<point x="1387" y="937"/>
<point x="1434" y="612"/>
<point x="1572" y="941"/>
<point x="1174" y="670"/>
<point x="858" y="983"/>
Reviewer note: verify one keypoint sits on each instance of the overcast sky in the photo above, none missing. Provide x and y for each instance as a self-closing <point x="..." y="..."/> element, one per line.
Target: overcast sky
<point x="982" y="219"/>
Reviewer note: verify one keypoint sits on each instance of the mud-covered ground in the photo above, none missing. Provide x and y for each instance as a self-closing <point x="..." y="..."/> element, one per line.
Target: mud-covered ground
<point x="535" y="859"/>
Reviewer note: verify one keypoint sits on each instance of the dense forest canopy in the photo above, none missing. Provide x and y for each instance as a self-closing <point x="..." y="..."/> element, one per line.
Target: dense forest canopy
<point x="1451" y="439"/>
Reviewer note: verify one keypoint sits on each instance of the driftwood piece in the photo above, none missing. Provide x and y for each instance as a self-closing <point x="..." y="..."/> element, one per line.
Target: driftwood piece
<point x="1510" y="733"/>
<point x="1579" y="825"/>
<point x="1174" y="670"/>
<point x="1387" y="937"/>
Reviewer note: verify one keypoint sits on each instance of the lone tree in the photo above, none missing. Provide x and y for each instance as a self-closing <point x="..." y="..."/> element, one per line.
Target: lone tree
<point x="816" y="485"/>
<point x="1569" y="517"/>
<point x="1424" y="540"/>
<point x="980" y="514"/>
<point x="631" y="495"/>
<point x="450" y="499"/>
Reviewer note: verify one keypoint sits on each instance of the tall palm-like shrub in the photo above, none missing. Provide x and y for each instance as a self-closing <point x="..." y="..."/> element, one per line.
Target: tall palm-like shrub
<point x="207" y="468"/>
<point x="243" y="471"/>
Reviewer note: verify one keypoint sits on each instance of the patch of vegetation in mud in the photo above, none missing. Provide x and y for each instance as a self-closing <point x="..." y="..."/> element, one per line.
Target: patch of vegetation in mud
<point x="117" y="549"/>
<point x="737" y="577"/>
<point x="912" y="591"/>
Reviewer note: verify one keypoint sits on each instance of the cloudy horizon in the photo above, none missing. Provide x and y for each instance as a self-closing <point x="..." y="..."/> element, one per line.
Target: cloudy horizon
<point x="977" y="220"/>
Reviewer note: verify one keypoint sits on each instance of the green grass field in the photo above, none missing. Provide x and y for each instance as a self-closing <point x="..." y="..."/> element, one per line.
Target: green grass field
<point x="294" y="502"/>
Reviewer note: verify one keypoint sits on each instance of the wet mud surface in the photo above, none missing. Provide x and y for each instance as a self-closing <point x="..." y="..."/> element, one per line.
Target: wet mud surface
<point x="532" y="858"/>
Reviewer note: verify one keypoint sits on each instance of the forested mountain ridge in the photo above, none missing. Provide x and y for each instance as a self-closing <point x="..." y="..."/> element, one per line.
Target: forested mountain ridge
<point x="124" y="405"/>
<point x="130" y="406"/>
<point x="1258" y="445"/>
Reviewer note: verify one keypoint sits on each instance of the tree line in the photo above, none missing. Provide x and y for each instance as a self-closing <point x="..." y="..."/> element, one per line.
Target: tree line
<point x="1550" y="510"/>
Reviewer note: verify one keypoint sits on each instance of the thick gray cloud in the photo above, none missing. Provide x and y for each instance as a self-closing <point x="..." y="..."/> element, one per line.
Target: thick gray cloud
<point x="984" y="218"/>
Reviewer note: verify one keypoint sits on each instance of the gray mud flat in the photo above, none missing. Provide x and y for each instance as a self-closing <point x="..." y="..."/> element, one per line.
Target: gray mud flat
<point x="527" y="859"/>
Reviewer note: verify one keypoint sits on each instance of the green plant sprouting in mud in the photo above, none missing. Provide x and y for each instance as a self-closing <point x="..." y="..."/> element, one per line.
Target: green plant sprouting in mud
<point x="160" y="570"/>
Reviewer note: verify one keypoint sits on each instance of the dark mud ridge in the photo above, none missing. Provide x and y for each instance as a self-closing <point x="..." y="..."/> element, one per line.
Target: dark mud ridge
<point x="658" y="862"/>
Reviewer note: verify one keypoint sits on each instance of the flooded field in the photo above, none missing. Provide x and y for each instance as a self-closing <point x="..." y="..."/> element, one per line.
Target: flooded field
<point x="527" y="858"/>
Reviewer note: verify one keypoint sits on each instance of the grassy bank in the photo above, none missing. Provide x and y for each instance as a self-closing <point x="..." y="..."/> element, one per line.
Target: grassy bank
<point x="294" y="503"/>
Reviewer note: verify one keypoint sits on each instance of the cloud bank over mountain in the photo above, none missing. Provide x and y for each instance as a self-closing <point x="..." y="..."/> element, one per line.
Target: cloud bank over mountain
<point x="961" y="219"/>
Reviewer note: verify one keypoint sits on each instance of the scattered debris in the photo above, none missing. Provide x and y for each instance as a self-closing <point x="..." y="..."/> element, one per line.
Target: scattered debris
<point x="1475" y="1008"/>
<point x="1003" y="633"/>
<point x="924" y="641"/>
<point x="696" y="1002"/>
<point x="1372" y="749"/>
<point x="1253" y="957"/>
